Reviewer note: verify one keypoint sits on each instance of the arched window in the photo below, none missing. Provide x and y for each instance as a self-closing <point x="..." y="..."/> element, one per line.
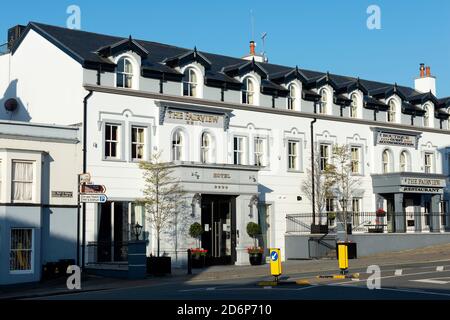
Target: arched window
<point x="190" y="83"/>
<point x="354" y="106"/>
<point x="426" y="117"/>
<point x="177" y="146"/>
<point x="248" y="91"/>
<point x="323" y="101"/>
<point x="124" y="73"/>
<point x="404" y="161"/>
<point x="386" y="161"/>
<point x="392" y="111"/>
<point x="292" y="98"/>
<point x="205" y="148"/>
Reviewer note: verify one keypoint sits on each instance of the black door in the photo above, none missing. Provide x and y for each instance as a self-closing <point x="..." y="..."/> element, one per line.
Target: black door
<point x="218" y="221"/>
<point x="104" y="233"/>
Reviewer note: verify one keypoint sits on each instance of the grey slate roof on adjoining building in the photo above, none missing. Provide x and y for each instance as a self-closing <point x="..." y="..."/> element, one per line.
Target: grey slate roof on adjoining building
<point x="84" y="47"/>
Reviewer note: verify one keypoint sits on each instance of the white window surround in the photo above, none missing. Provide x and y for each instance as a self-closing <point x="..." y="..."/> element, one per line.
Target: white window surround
<point x="392" y="112"/>
<point x="260" y="151"/>
<point x="326" y="101"/>
<point x="120" y="155"/>
<point x="293" y="155"/>
<point x="177" y="145"/>
<point x="147" y="140"/>
<point x="325" y="150"/>
<point x="404" y="161"/>
<point x="7" y="157"/>
<point x="356" y="159"/>
<point x="239" y="149"/>
<point x="135" y="68"/>
<point x="199" y="87"/>
<point x="428" y="162"/>
<point x="32" y="252"/>
<point x="23" y="178"/>
<point x="294" y="98"/>
<point x="387" y="161"/>
<point x="448" y="120"/>
<point x="428" y="117"/>
<point x="138" y="143"/>
<point x="250" y="95"/>
<point x="354" y="107"/>
<point x="207" y="152"/>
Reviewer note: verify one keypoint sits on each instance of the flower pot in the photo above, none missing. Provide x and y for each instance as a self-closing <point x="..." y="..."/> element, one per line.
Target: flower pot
<point x="159" y="266"/>
<point x="198" y="261"/>
<point x="255" y="258"/>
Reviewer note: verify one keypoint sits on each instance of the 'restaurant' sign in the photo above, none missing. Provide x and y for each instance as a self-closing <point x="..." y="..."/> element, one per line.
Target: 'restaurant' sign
<point x="396" y="139"/>
<point x="421" y="190"/>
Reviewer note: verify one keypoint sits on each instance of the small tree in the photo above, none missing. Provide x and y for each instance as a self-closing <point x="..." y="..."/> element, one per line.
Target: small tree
<point x="163" y="195"/>
<point x="342" y="178"/>
<point x="322" y="185"/>
<point x="253" y="230"/>
<point x="195" y="231"/>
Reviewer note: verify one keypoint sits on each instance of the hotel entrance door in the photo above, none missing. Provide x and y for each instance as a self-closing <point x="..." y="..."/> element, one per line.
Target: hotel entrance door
<point x="219" y="225"/>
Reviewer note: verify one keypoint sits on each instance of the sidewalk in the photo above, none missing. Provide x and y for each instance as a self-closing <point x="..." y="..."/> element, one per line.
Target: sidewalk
<point x="96" y="283"/>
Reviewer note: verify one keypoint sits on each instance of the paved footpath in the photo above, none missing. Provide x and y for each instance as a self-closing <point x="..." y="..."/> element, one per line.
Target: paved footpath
<point x="223" y="273"/>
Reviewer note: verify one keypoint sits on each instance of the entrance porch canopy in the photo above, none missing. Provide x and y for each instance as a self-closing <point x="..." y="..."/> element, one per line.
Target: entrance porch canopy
<point x="409" y="182"/>
<point x="216" y="178"/>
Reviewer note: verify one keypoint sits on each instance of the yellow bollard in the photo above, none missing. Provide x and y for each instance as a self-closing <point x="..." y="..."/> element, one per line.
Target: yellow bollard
<point x="343" y="258"/>
<point x="275" y="263"/>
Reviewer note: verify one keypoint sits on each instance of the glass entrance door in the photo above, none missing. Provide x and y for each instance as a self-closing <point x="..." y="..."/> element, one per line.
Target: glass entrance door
<point x="219" y="229"/>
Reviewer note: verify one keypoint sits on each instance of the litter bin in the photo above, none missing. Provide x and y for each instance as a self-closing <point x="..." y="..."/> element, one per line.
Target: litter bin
<point x="351" y="248"/>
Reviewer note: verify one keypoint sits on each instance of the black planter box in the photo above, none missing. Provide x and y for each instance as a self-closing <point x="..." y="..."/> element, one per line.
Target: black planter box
<point x="198" y="261"/>
<point x="351" y="247"/>
<point x="319" y="228"/>
<point x="159" y="266"/>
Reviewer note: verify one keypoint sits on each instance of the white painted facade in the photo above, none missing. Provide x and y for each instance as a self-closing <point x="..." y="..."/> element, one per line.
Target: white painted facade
<point x="50" y="87"/>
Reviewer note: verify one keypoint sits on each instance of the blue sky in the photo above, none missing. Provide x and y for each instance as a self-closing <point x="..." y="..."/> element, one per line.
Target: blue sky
<point x="321" y="35"/>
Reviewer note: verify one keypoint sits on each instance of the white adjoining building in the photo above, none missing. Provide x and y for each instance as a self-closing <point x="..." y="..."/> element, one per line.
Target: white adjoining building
<point x="38" y="198"/>
<point x="237" y="131"/>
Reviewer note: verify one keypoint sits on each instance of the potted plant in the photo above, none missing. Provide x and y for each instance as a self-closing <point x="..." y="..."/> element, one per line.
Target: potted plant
<point x="198" y="254"/>
<point x="380" y="213"/>
<point x="198" y="257"/>
<point x="255" y="253"/>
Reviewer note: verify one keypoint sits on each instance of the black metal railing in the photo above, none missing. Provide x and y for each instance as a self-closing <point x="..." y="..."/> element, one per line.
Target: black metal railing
<point x="107" y="251"/>
<point x="370" y="222"/>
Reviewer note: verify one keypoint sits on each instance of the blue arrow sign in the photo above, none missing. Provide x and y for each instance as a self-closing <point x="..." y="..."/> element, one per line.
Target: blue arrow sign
<point x="274" y="256"/>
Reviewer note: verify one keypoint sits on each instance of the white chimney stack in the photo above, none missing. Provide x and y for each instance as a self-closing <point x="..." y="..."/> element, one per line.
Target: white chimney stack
<point x="425" y="82"/>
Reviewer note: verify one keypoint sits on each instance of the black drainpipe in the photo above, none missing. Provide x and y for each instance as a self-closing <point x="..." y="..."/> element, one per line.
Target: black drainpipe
<point x="313" y="183"/>
<point x="85" y="101"/>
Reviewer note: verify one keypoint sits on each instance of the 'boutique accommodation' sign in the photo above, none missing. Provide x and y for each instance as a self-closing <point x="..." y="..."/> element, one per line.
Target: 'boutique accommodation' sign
<point x="396" y="138"/>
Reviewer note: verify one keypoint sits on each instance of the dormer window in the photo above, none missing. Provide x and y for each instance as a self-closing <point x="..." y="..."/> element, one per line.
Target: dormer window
<point x="426" y="116"/>
<point x="448" y="120"/>
<point x="292" y="97"/>
<point x="248" y="91"/>
<point x="391" y="111"/>
<point x="190" y="83"/>
<point x="354" y="106"/>
<point x="323" y="101"/>
<point x="124" y="74"/>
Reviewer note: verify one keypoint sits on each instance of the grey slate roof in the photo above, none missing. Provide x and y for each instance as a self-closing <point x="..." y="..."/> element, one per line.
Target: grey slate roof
<point x="84" y="46"/>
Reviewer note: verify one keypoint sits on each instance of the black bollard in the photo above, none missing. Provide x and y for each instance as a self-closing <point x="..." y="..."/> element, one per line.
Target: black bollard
<point x="189" y="263"/>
